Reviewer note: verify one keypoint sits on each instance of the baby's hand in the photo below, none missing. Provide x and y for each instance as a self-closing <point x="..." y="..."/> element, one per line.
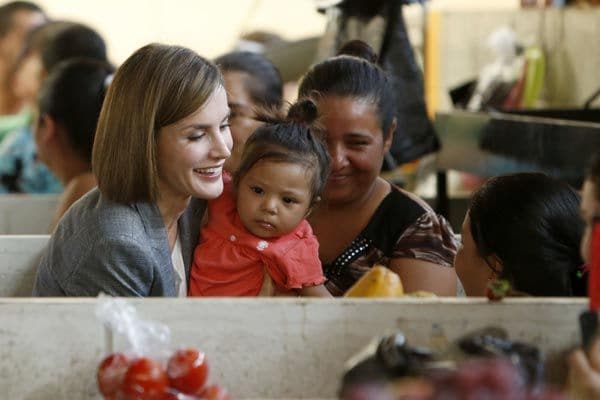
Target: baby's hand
<point x="314" y="291"/>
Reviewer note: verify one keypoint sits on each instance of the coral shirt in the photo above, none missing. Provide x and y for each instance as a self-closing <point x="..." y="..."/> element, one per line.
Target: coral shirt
<point x="230" y="261"/>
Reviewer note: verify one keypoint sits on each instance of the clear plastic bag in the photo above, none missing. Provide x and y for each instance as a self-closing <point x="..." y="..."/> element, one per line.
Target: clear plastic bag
<point x="140" y="363"/>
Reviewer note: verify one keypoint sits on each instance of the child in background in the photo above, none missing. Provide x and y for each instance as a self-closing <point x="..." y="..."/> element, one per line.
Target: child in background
<point x="257" y="240"/>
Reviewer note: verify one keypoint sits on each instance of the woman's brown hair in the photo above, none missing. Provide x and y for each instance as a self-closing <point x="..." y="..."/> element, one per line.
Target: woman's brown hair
<point x="156" y="86"/>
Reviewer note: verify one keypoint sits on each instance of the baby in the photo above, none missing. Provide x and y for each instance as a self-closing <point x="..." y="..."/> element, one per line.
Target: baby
<point x="257" y="240"/>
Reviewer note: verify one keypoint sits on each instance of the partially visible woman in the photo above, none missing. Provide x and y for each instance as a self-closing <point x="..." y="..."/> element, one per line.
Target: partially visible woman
<point x="524" y="228"/>
<point x="251" y="82"/>
<point x="162" y="139"/>
<point x="362" y="219"/>
<point x="584" y="366"/>
<point x="67" y="113"/>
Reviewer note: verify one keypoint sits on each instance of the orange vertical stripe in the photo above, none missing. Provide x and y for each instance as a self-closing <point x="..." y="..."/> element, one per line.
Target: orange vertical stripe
<point x="432" y="61"/>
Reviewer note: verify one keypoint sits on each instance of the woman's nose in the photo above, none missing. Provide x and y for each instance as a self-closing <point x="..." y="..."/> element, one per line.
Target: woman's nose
<point x="338" y="157"/>
<point x="221" y="146"/>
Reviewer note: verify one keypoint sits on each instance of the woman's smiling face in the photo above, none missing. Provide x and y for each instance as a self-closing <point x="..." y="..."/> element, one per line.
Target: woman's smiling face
<point x="356" y="144"/>
<point x="191" y="152"/>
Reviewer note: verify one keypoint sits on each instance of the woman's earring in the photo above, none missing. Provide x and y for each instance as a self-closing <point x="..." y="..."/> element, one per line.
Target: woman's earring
<point x="496" y="288"/>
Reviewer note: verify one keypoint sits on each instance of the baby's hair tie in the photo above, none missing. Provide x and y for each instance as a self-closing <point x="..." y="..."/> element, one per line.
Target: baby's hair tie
<point x="303" y="112"/>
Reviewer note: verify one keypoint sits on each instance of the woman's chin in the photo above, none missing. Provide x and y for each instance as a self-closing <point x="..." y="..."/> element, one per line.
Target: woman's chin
<point x="209" y="192"/>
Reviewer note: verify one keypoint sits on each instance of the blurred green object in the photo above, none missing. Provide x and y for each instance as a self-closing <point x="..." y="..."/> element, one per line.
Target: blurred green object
<point x="9" y="123"/>
<point x="534" y="79"/>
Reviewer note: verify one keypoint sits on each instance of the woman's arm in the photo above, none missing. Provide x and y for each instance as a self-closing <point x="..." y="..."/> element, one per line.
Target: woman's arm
<point x="423" y="275"/>
<point x="584" y="373"/>
<point x="314" y="291"/>
<point x="115" y="266"/>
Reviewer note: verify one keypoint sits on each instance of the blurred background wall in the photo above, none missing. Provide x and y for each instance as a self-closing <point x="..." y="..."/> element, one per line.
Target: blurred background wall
<point x="210" y="27"/>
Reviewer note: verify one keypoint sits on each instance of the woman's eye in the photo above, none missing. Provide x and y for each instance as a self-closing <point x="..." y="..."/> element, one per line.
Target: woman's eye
<point x="225" y="126"/>
<point x="196" y="137"/>
<point x="358" y="143"/>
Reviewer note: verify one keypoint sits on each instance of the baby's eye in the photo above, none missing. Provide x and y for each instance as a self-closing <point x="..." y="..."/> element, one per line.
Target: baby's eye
<point x="289" y="200"/>
<point x="256" y="189"/>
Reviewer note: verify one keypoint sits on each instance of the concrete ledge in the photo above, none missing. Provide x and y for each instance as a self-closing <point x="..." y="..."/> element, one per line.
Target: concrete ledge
<point x="258" y="348"/>
<point x="19" y="258"/>
<point x="22" y="214"/>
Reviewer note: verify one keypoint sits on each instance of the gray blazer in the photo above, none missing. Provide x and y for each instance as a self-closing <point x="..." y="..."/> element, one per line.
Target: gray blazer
<point x="117" y="249"/>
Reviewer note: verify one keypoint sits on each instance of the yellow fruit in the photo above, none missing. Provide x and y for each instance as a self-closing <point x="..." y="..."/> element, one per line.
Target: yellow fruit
<point x="377" y="282"/>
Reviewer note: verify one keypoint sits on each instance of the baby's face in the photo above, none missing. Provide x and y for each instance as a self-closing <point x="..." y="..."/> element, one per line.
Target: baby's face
<point x="274" y="197"/>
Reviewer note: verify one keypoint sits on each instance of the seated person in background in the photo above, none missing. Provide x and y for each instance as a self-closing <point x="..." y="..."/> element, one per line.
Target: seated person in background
<point x="257" y="241"/>
<point x="363" y="219"/>
<point x="251" y="82"/>
<point x="17" y="19"/>
<point x="524" y="228"/>
<point x="68" y="108"/>
<point x="48" y="45"/>
<point x="584" y="369"/>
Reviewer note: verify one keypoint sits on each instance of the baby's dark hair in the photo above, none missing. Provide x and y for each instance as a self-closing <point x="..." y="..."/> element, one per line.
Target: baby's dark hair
<point x="295" y="138"/>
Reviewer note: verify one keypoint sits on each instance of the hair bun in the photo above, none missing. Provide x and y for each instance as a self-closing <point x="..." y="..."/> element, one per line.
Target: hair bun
<point x="303" y="111"/>
<point x="360" y="49"/>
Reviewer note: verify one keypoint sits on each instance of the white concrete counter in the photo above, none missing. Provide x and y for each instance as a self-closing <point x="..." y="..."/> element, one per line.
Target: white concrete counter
<point x="267" y="348"/>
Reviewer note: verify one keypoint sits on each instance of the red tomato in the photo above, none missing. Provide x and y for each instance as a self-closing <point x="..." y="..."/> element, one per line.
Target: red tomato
<point x="145" y="380"/>
<point x="111" y="373"/>
<point x="188" y="370"/>
<point x="215" y="392"/>
<point x="169" y="396"/>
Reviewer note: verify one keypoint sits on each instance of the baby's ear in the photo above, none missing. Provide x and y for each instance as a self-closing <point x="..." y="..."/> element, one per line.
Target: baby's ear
<point x="315" y="201"/>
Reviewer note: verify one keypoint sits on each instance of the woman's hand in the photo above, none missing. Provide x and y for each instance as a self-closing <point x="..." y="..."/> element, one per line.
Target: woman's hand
<point x="584" y="373"/>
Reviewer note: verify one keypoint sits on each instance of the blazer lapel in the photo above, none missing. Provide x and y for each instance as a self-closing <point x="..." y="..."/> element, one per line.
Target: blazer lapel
<point x="189" y="231"/>
<point x="157" y="234"/>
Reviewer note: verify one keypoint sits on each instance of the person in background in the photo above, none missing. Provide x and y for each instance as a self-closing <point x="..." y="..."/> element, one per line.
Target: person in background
<point x="251" y="82"/>
<point x="17" y="19"/>
<point x="523" y="228"/>
<point x="161" y="142"/>
<point x="584" y="369"/>
<point x="68" y="107"/>
<point x="20" y="169"/>
<point x="257" y="241"/>
<point x="362" y="219"/>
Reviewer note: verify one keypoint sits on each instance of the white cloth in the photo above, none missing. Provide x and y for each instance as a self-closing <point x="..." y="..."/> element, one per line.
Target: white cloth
<point x="179" y="267"/>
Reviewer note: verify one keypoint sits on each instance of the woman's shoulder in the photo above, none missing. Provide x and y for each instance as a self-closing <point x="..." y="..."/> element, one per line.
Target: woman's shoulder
<point x="94" y="216"/>
<point x="397" y="211"/>
<point x="97" y="239"/>
<point x="400" y="198"/>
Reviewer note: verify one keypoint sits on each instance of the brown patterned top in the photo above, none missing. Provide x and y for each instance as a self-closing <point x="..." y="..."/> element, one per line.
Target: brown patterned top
<point x="403" y="226"/>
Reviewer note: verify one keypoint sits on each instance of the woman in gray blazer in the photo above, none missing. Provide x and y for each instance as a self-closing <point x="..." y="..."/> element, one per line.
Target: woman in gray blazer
<point x="161" y="142"/>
